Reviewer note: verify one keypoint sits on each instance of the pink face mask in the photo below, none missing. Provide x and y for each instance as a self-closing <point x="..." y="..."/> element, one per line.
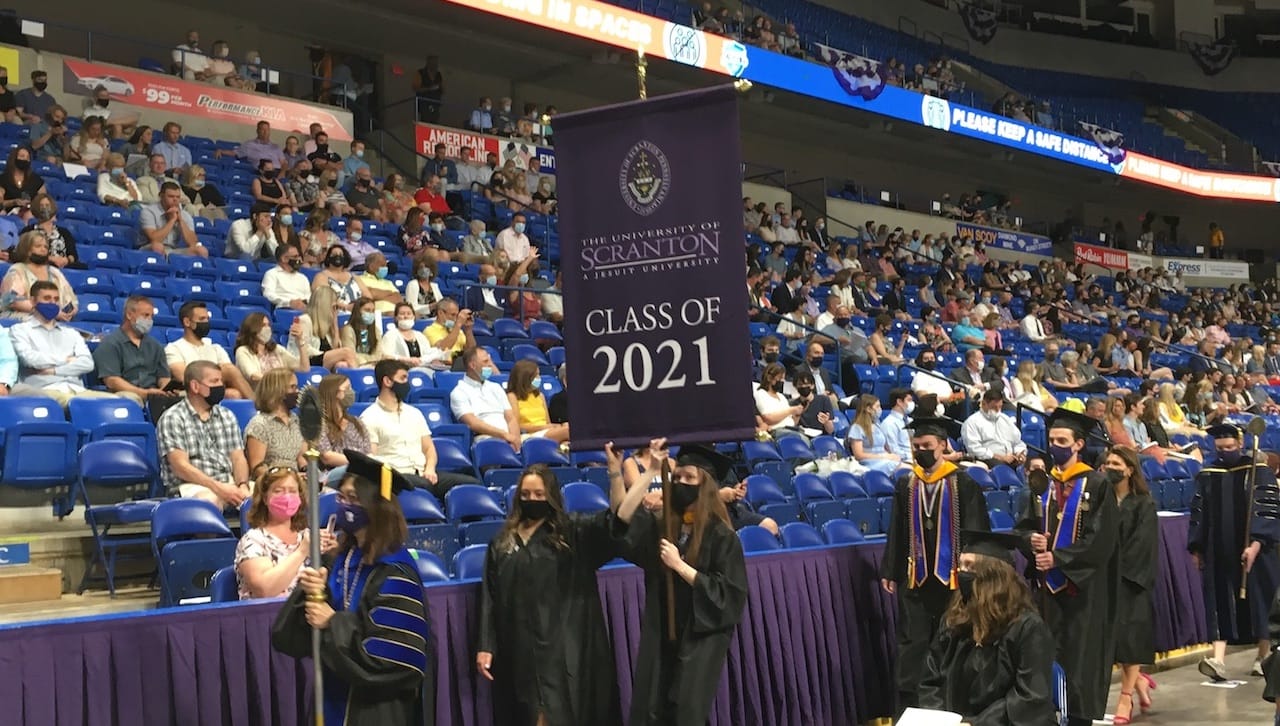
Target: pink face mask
<point x="284" y="506"/>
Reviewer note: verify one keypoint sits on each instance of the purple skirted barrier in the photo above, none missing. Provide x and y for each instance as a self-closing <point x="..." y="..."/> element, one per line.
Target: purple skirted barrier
<point x="815" y="647"/>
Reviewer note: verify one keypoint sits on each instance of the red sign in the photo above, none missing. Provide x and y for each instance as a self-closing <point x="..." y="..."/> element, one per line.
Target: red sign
<point x="1102" y="257"/>
<point x="170" y="93"/>
<point x="426" y="136"/>
<point x="1216" y="185"/>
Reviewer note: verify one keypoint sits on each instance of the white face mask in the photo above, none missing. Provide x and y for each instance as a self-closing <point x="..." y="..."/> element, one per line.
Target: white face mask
<point x="264" y="334"/>
<point x="911" y="407"/>
<point x="406" y="324"/>
<point x="991" y="416"/>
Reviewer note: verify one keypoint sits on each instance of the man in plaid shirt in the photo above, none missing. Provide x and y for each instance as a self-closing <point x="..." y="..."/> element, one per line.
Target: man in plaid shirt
<point x="201" y="446"/>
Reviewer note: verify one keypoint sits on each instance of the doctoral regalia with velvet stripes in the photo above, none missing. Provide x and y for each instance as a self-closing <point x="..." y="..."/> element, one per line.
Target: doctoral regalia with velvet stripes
<point x="921" y="555"/>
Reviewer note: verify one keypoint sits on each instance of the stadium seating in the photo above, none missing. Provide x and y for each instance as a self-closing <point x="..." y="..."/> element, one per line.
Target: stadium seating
<point x="190" y="541"/>
<point x="124" y="468"/>
<point x="758" y="539"/>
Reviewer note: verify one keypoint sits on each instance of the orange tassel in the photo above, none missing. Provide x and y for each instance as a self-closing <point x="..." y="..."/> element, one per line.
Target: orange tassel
<point x="386" y="482"/>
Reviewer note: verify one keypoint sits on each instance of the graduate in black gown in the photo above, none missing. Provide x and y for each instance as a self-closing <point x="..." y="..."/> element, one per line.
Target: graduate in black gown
<point x="1139" y="545"/>
<point x="1072" y="529"/>
<point x="992" y="661"/>
<point x="1271" y="664"/>
<point x="1217" y="542"/>
<point x="691" y="545"/>
<point x="367" y="604"/>
<point x="931" y="504"/>
<point x="543" y="640"/>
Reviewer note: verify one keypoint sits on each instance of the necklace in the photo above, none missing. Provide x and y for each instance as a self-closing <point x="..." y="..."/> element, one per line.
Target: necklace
<point x="348" y="581"/>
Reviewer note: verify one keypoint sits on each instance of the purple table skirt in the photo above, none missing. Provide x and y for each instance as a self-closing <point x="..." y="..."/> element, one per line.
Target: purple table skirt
<point x="815" y="646"/>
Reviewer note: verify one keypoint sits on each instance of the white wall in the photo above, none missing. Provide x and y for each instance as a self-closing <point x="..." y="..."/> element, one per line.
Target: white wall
<point x="770" y="195"/>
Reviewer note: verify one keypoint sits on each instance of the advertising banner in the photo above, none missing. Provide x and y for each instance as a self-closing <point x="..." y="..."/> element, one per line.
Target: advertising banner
<point x="1102" y="257"/>
<point x="1006" y="239"/>
<point x="426" y="136"/>
<point x="652" y="258"/>
<point x="1191" y="268"/>
<point x="171" y="93"/>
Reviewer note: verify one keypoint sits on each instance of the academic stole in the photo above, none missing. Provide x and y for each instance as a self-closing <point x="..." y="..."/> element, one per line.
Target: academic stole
<point x="1068" y="525"/>
<point x="948" y="518"/>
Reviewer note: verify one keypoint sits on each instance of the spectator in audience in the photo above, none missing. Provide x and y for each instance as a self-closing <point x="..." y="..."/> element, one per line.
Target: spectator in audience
<point x="786" y="231"/>
<point x="399" y="434"/>
<point x="201" y="448"/>
<point x="155" y="177"/>
<point x="776" y="414"/>
<point x="341" y="430"/>
<point x="481" y="118"/>
<point x="18" y="183"/>
<point x="62" y="244"/>
<point x="451" y="331"/>
<point x="1025" y="390"/>
<point x="414" y="237"/>
<point x="481" y="404"/>
<point x="818" y="415"/>
<point x="176" y="156"/>
<point x="30" y="266"/>
<point x="304" y="186"/>
<point x="115" y="188"/>
<point x="194" y="345"/>
<point x="867" y="440"/>
<point x="544" y="197"/>
<point x="428" y="87"/>
<point x="423" y="292"/>
<point x="352" y="164"/>
<point x="504" y="120"/>
<point x="927" y="381"/>
<point x="337" y="276"/>
<point x="973" y="375"/>
<point x="165" y="226"/>
<point x="52" y="357"/>
<point x="518" y="197"/>
<point x="360" y="334"/>
<point x="882" y="349"/>
<point x="439" y="166"/>
<point x="558" y="406"/>
<point x="513" y="240"/>
<point x="272" y="552"/>
<point x="406" y="344"/>
<point x="205" y="200"/>
<point x="524" y="392"/>
<point x="317" y="147"/>
<point x="1171" y="415"/>
<point x="396" y="201"/>
<point x="992" y="437"/>
<point x="129" y="361"/>
<point x="272" y="437"/>
<point x="365" y="198"/>
<point x="137" y="150"/>
<point x="471" y="175"/>
<point x="894" y="424"/>
<point x="116" y="125"/>
<point x="523" y="304"/>
<point x="292" y="153"/>
<point x="283" y="284"/>
<point x="48" y="137"/>
<point x="358" y="250"/>
<point x="319" y="332"/>
<point x="431" y="197"/>
<point x="252" y="238"/>
<point x="261" y="148"/>
<point x="257" y="352"/>
<point x="484" y="297"/>
<point x="381" y="290"/>
<point x="189" y="60"/>
<point x="1216" y="241"/>
<point x="266" y="188"/>
<point x="33" y="104"/>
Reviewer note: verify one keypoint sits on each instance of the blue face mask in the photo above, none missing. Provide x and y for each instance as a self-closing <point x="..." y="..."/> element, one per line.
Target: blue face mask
<point x="48" y="310"/>
<point x="486" y="373"/>
<point x="381" y="274"/>
<point x="351" y="518"/>
<point x="536" y="382"/>
<point x="491" y="280"/>
<point x="286" y="220"/>
<point x="518" y="227"/>
<point x="524" y="279"/>
<point x="448" y="325"/>
<point x="367" y="318"/>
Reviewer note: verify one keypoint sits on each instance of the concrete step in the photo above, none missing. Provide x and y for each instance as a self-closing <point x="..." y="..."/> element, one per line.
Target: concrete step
<point x="29" y="584"/>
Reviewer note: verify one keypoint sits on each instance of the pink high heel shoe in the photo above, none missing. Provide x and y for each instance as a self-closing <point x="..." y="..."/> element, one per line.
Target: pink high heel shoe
<point x="1144" y="701"/>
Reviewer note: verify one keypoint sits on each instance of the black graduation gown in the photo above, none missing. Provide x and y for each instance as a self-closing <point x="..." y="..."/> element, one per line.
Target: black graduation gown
<point x="921" y="609"/>
<point x="1271" y="666"/>
<point x="1139" y="545"/>
<point x="1218" y="513"/>
<point x="1081" y="615"/>
<point x="375" y="654"/>
<point x="540" y="616"/>
<point x="1007" y="683"/>
<point x="675" y="682"/>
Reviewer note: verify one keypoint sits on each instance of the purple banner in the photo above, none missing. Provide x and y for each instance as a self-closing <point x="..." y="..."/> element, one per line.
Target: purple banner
<point x="654" y="265"/>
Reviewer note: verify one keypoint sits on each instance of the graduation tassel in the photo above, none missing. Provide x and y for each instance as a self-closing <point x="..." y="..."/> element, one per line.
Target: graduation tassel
<point x="669" y="520"/>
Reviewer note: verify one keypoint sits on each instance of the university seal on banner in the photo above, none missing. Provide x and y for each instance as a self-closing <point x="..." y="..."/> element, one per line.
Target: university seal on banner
<point x="644" y="178"/>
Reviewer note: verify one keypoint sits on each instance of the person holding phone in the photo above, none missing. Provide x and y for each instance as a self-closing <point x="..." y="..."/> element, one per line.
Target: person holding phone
<point x="270" y="555"/>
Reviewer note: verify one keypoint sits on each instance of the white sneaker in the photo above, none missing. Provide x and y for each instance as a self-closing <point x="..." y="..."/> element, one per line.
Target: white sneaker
<point x="1257" y="668"/>
<point x="1214" y="669"/>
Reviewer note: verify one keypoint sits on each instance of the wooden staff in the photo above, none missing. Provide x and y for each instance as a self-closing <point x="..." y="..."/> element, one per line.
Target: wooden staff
<point x="310" y="422"/>
<point x="1256" y="427"/>
<point x="672" y="529"/>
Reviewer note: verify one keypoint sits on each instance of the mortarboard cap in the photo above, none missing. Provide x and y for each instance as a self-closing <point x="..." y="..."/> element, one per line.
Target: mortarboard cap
<point x="1226" y="431"/>
<point x="707" y="458"/>
<point x="999" y="545"/>
<point x="368" y="471"/>
<point x="1066" y="419"/>
<point x="942" y="427"/>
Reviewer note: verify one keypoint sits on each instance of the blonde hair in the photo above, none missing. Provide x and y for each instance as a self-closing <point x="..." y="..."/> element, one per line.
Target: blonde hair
<point x="324" y="321"/>
<point x="272" y="389"/>
<point x="192" y="171"/>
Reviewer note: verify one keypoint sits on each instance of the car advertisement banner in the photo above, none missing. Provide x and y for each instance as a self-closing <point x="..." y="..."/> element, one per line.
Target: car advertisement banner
<point x="170" y="93"/>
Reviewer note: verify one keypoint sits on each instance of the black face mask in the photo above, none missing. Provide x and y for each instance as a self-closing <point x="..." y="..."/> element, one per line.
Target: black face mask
<point x="216" y="394"/>
<point x="202" y="329"/>
<point x="842" y="322"/>
<point x="103" y="102"/>
<point x="815" y="362"/>
<point x="926" y="458"/>
<point x="291" y="400"/>
<point x="770" y="357"/>
<point x="295" y="264"/>
<point x="269" y="174"/>
<point x="4" y="80"/>
<point x="964" y="582"/>
<point x="805" y="391"/>
<point x="683" y="496"/>
<point x="401" y="390"/>
<point x="38" y="259"/>
<point x="22" y="164"/>
<point x="337" y="261"/>
<point x="41" y="85"/>
<point x="534" y="509"/>
<point x="928" y="365"/>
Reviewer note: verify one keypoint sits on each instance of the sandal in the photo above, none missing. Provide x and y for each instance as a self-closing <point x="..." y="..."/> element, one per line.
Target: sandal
<point x="1144" y="698"/>
<point x="1119" y="720"/>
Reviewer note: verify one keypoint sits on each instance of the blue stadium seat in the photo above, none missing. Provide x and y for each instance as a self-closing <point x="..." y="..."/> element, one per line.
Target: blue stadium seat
<point x="224" y="586"/>
<point x="981" y="477"/>
<point x="190" y="541"/>
<point x="877" y="484"/>
<point x="800" y="534"/>
<point x="122" y="468"/>
<point x="525" y="351"/>
<point x="468" y="564"/>
<point x="452" y="457"/>
<point x="766" y="497"/>
<point x="795" y="450"/>
<point x="509" y="328"/>
<point x="430" y="566"/>
<point x="544" y="330"/>
<point x="1005" y="477"/>
<point x="845" y="485"/>
<point x="40" y="446"/>
<point x="242" y="409"/>
<point x="495" y="453"/>
<point x="98" y="419"/>
<point x="584" y="497"/>
<point x="865" y="514"/>
<point x="759" y="451"/>
<point x="475" y="511"/>
<point x="543" y="451"/>
<point x="841" y="531"/>
<point x="1000" y="520"/>
<point x="824" y="446"/>
<point x="998" y="500"/>
<point x="755" y="539"/>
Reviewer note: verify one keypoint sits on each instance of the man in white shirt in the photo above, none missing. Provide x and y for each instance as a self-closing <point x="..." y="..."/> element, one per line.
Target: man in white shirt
<point x="51" y="356"/>
<point x="514" y="241"/>
<point x="894" y="424"/>
<point x="481" y="404"/>
<point x="192" y="61"/>
<point x="990" y="436"/>
<point x="469" y="172"/>
<point x="828" y="317"/>
<point x="195" y="345"/>
<point x="1033" y="326"/>
<point x="283" y="285"/>
<point x="933" y="383"/>
<point x="786" y="231"/>
<point x="400" y="435"/>
<point x="252" y="238"/>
